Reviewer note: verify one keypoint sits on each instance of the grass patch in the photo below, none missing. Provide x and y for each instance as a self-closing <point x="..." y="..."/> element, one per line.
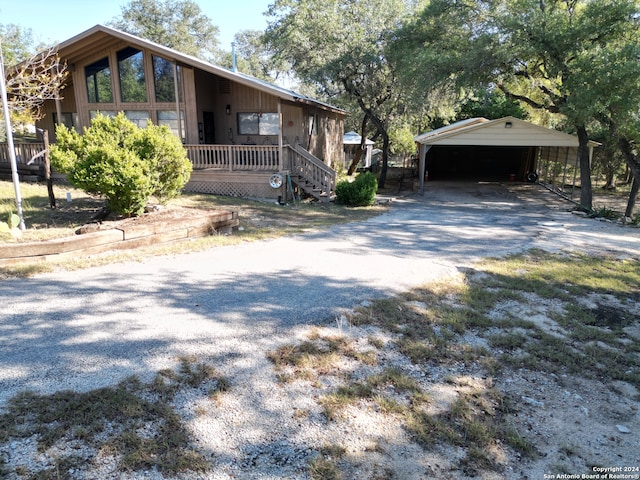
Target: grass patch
<point x="321" y="468"/>
<point x="319" y="355"/>
<point x="133" y="422"/>
<point x="430" y="327"/>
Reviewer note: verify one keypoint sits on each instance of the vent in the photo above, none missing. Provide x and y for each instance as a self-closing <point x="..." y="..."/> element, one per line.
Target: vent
<point x="224" y="86"/>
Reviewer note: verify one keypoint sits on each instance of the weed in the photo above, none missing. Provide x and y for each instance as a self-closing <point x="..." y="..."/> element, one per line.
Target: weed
<point x="334" y="451"/>
<point x="132" y="420"/>
<point x="508" y="341"/>
<point x="604" y="212"/>
<point x="323" y="469"/>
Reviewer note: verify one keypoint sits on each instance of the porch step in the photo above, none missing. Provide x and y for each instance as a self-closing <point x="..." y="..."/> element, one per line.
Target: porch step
<point x="312" y="189"/>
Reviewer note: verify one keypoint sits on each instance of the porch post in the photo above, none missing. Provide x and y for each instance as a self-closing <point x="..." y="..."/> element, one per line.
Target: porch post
<point x="58" y="110"/>
<point x="280" y="148"/>
<point x="422" y="164"/>
<point x="176" y="88"/>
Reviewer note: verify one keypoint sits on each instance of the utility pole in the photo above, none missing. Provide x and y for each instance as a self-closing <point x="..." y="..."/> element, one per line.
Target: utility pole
<point x="12" y="151"/>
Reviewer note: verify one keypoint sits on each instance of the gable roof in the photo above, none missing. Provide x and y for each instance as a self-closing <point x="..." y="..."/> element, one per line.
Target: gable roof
<point x="353" y="138"/>
<point x="96" y="38"/>
<point x="506" y="131"/>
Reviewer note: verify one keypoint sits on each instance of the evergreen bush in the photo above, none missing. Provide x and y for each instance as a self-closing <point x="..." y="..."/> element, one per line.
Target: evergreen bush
<point x="360" y="192"/>
<point x="126" y="164"/>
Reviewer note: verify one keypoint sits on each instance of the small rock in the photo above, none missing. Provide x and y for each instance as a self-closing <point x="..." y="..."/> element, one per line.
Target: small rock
<point x="533" y="402"/>
<point x="623" y="429"/>
<point x="418" y="305"/>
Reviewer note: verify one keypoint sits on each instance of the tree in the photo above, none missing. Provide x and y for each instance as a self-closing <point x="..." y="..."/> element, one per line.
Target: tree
<point x="30" y="79"/>
<point x="539" y="52"/>
<point x="490" y="103"/>
<point x="17" y="43"/>
<point x="341" y="47"/>
<point x="122" y="162"/>
<point x="177" y="24"/>
<point x="254" y="57"/>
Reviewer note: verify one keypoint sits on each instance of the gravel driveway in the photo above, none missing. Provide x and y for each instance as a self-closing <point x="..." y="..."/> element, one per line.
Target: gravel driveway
<point x="91" y="328"/>
<point x="85" y="329"/>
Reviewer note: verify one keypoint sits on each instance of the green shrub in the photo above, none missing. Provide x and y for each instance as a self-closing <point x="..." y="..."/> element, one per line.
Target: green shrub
<point x="126" y="164"/>
<point x="360" y="192"/>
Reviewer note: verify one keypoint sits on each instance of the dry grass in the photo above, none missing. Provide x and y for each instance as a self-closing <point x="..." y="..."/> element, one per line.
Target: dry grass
<point x="259" y="220"/>
<point x="428" y="326"/>
<point x="133" y="422"/>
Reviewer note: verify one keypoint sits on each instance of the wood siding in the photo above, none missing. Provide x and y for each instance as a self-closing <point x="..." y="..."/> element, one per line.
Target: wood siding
<point x="207" y="91"/>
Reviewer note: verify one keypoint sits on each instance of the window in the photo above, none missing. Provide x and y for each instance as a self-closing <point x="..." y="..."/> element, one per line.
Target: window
<point x="139" y="117"/>
<point x="98" y="76"/>
<point x="313" y="124"/>
<point x="164" y="80"/>
<point x="258" y="124"/>
<point x="69" y="120"/>
<point x="133" y="88"/>
<point x="170" y="119"/>
<point x="106" y="113"/>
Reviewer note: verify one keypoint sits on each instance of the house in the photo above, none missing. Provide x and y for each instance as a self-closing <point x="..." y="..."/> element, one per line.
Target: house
<point x="352" y="141"/>
<point x="503" y="149"/>
<point x="239" y="131"/>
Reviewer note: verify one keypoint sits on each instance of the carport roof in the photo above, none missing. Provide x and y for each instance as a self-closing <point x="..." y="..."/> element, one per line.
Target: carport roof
<point x="506" y="131"/>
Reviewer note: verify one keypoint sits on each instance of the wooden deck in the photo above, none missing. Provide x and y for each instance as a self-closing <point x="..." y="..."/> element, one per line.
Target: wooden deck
<point x="236" y="170"/>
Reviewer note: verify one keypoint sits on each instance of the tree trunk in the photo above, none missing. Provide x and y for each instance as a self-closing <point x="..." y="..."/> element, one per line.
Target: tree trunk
<point x="631" y="203"/>
<point x="633" y="162"/>
<point x="363" y="140"/>
<point x="586" y="192"/>
<point x="380" y="129"/>
<point x="610" y="182"/>
<point x="47" y="170"/>
<point x="385" y="159"/>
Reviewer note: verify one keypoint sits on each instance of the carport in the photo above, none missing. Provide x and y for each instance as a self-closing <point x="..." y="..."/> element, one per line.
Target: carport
<point x="498" y="150"/>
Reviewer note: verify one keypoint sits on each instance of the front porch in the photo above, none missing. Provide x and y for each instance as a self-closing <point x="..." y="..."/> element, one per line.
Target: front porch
<point x="234" y="170"/>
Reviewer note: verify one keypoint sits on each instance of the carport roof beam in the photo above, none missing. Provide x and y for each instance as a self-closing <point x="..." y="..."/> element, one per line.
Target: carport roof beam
<point x="482" y="132"/>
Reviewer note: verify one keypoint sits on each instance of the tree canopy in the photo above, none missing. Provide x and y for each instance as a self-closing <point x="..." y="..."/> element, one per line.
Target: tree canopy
<point x="552" y="55"/>
<point x="177" y="24"/>
<point x="340" y="46"/>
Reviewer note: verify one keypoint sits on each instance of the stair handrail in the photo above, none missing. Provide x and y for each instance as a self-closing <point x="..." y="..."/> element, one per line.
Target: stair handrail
<point x="313" y="169"/>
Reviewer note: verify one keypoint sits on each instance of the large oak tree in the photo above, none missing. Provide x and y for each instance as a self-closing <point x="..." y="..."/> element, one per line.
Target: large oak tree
<point x="544" y="53"/>
<point x="340" y="46"/>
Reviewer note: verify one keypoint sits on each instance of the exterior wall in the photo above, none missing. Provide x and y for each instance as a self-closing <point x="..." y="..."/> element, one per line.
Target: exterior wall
<point x="76" y="101"/>
<point x="214" y="94"/>
<point x="324" y="140"/>
<point x="210" y="98"/>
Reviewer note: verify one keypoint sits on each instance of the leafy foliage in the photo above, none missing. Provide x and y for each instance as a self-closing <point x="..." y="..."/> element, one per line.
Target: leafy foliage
<point x="573" y="59"/>
<point x="122" y="162"/>
<point x="177" y="24"/>
<point x="341" y="47"/>
<point x="360" y="192"/>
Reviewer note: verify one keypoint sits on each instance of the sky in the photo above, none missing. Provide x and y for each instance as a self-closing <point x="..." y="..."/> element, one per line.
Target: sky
<point x="55" y="21"/>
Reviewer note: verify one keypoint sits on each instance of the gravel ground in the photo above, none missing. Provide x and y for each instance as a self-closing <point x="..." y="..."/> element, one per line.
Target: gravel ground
<point x="87" y="329"/>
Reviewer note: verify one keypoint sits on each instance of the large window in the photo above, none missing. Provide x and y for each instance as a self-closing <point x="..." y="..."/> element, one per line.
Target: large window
<point x="98" y="76"/>
<point x="139" y="117"/>
<point x="164" y="73"/>
<point x="133" y="88"/>
<point x="258" y="123"/>
<point x="170" y="119"/>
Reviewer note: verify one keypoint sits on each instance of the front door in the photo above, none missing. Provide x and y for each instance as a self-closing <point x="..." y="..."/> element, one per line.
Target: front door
<point x="209" y="128"/>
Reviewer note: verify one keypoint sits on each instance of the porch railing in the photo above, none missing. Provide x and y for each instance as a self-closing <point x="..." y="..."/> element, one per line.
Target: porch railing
<point x="24" y="153"/>
<point x="312" y="171"/>
<point x="307" y="170"/>
<point x="234" y="157"/>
